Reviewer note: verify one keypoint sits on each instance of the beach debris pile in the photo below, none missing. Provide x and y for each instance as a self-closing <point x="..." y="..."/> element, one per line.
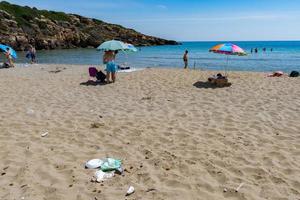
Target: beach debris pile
<point x="106" y="168"/>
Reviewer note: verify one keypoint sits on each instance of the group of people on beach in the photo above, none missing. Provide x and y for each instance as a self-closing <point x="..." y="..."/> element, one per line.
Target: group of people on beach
<point x="31" y="55"/>
<point x="186" y="58"/>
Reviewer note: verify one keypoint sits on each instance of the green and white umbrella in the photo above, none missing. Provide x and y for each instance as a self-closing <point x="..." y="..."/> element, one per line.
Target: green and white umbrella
<point x="114" y="45"/>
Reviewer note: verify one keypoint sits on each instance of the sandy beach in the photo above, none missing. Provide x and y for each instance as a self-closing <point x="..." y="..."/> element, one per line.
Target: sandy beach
<point x="177" y="137"/>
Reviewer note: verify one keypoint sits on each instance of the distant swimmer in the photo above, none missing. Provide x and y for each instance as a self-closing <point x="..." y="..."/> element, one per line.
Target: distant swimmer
<point x="271" y="49"/>
<point x="251" y="50"/>
<point x="185" y="59"/>
<point x="256" y="50"/>
<point x="264" y="49"/>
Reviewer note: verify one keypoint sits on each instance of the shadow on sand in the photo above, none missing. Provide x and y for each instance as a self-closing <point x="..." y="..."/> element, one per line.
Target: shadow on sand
<point x="93" y="83"/>
<point x="207" y="85"/>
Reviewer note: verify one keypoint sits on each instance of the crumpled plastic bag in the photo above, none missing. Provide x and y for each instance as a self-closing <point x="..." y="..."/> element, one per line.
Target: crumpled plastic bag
<point x="110" y="164"/>
<point x="102" y="176"/>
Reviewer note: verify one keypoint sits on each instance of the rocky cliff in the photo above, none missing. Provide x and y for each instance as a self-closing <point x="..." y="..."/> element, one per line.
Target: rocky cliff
<point x="21" y="26"/>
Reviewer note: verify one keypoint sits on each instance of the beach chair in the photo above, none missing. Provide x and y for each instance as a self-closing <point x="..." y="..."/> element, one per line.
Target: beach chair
<point x="99" y="75"/>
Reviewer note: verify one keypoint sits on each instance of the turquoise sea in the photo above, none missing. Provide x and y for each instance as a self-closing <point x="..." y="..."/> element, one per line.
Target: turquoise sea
<point x="285" y="56"/>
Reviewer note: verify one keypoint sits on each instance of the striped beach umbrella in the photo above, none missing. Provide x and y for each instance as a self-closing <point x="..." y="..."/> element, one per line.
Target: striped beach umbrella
<point x="228" y="49"/>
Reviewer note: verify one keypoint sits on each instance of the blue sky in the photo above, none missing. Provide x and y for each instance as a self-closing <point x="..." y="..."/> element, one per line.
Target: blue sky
<point x="191" y="20"/>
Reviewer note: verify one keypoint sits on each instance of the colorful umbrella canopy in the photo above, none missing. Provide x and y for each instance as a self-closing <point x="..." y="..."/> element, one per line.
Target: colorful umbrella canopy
<point x="12" y="52"/>
<point x="228" y="49"/>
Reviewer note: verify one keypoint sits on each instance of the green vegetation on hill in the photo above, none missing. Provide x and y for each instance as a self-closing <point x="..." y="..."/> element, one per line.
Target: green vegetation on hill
<point x="22" y="26"/>
<point x="25" y="14"/>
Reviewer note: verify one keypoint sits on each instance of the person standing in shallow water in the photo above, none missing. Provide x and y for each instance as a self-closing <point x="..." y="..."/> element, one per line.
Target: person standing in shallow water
<point x="185" y="59"/>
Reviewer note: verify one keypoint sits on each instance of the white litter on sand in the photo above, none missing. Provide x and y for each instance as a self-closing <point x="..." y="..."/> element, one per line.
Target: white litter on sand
<point x="130" y="191"/>
<point x="45" y="134"/>
<point x="238" y="188"/>
<point x="102" y="176"/>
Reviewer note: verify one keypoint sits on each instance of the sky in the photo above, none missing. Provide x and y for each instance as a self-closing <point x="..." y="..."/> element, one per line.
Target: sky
<point x="191" y="20"/>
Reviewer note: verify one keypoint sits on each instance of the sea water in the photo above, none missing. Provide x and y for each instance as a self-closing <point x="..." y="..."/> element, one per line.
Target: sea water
<point x="285" y="56"/>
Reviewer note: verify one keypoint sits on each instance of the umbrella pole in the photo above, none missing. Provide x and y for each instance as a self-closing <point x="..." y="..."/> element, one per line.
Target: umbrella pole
<point x="226" y="65"/>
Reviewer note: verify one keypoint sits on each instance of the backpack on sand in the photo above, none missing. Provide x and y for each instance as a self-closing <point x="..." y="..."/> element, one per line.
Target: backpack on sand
<point x="100" y="76"/>
<point x="294" y="74"/>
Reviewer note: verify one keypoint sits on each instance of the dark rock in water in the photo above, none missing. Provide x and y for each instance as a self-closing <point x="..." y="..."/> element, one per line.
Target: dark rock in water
<point x="24" y="26"/>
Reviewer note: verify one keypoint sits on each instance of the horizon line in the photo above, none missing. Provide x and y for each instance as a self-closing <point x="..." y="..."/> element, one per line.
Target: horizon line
<point x="297" y="40"/>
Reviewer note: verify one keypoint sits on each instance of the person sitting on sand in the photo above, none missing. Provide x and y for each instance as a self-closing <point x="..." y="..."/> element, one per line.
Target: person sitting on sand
<point x="219" y="80"/>
<point x="214" y="77"/>
<point x="185" y="59"/>
<point x="111" y="69"/>
<point x="9" y="57"/>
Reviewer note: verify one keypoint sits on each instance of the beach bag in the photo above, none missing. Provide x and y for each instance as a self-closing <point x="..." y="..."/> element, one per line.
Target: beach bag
<point x="93" y="71"/>
<point x="294" y="74"/>
<point x="5" y="65"/>
<point x="100" y="76"/>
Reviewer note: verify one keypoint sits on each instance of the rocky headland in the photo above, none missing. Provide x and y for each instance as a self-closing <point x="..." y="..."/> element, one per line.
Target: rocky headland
<point x="23" y="26"/>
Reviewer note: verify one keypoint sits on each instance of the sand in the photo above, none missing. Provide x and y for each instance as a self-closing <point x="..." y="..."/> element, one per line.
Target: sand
<point x="178" y="138"/>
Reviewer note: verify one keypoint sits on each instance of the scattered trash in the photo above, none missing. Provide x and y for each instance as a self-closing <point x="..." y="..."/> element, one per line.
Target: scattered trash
<point x="106" y="168"/>
<point x="55" y="71"/>
<point x="93" y="164"/>
<point x="30" y="111"/>
<point x="225" y="190"/>
<point x="130" y="191"/>
<point x="150" y="190"/>
<point x="120" y="170"/>
<point x="111" y="164"/>
<point x="146" y="98"/>
<point x="22" y="198"/>
<point x="102" y="176"/>
<point x="238" y="188"/>
<point x="96" y="125"/>
<point x="45" y="134"/>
